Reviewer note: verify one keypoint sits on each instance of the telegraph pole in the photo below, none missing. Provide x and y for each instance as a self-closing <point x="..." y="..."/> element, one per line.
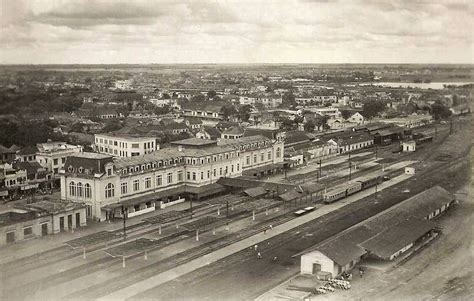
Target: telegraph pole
<point x="350" y="167"/>
<point x="191" y="206"/>
<point x="450" y="126"/>
<point x="320" y="171"/>
<point x="376" y="151"/>
<point x="227" y="208"/>
<point x="124" y="215"/>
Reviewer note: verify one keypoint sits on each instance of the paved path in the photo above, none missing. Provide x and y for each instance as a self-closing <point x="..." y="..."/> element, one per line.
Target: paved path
<point x="193" y="265"/>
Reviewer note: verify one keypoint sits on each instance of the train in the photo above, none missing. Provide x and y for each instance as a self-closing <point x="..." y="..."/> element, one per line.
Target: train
<point x="344" y="190"/>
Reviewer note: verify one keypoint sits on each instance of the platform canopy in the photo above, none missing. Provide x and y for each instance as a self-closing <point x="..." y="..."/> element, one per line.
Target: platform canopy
<point x="93" y="239"/>
<point x="255" y="192"/>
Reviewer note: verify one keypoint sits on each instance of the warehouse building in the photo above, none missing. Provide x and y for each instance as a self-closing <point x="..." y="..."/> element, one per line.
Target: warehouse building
<point x="39" y="219"/>
<point x="386" y="236"/>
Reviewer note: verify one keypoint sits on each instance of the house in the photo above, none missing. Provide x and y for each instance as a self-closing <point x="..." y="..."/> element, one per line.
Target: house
<point x="8" y="154"/>
<point x="233" y="133"/>
<point x="349" y="140"/>
<point x="52" y="155"/>
<point x="194" y="124"/>
<point x="274" y="134"/>
<point x="27" y="154"/>
<point x="356" y="118"/>
<point x="207" y="132"/>
<point x="206" y="111"/>
<point x="124" y="145"/>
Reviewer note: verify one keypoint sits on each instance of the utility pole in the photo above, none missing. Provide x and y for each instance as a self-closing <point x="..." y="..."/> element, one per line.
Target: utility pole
<point x="451" y="126"/>
<point x="350" y="167"/>
<point x="436" y="132"/>
<point x="227" y="208"/>
<point x="191" y="206"/>
<point x="376" y="151"/>
<point x="320" y="170"/>
<point x="124" y="216"/>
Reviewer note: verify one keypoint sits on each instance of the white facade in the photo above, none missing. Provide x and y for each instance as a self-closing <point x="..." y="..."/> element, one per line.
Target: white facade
<point x="52" y="155"/>
<point x="315" y="261"/>
<point x="125" y="179"/>
<point x="356" y="118"/>
<point x="124" y="146"/>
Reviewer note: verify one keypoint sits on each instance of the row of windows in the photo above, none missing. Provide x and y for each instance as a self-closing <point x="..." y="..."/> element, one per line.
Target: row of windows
<point x="254" y="145"/>
<point x="146" y="145"/>
<point x="210" y="159"/>
<point x="151" y="165"/>
<point x="78" y="190"/>
<point x="56" y="161"/>
<point x="147" y="182"/>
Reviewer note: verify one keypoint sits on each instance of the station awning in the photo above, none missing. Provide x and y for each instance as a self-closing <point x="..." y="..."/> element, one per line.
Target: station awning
<point x="255" y="192"/>
<point x="146" y="198"/>
<point x="290" y="195"/>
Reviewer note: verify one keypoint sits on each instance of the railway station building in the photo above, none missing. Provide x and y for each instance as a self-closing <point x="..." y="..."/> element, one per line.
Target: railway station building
<point x="189" y="169"/>
<point x="395" y="232"/>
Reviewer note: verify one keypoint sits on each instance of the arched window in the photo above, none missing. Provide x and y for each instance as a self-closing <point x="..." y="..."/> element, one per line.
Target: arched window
<point x="278" y="154"/>
<point x="109" y="190"/>
<point x="72" y="189"/>
<point x="79" y="190"/>
<point x="87" y="191"/>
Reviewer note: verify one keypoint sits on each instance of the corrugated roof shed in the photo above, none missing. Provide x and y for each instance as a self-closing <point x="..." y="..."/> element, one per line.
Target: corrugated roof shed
<point x="395" y="238"/>
<point x="290" y="195"/>
<point x="255" y="192"/>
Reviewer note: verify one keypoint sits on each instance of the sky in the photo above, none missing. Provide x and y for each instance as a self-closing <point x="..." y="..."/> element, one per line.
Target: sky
<point x="236" y="31"/>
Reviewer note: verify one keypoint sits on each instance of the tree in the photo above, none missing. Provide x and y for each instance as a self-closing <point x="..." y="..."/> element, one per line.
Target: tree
<point x="346" y="114"/>
<point x="244" y="112"/>
<point x="228" y="111"/>
<point x="211" y="94"/>
<point x="372" y="108"/>
<point x="198" y="98"/>
<point x="162" y="110"/>
<point x="112" y="125"/>
<point x="440" y="111"/>
<point x="309" y="126"/>
<point x="289" y="99"/>
<point x="288" y="124"/>
<point x="322" y="122"/>
<point x="166" y="96"/>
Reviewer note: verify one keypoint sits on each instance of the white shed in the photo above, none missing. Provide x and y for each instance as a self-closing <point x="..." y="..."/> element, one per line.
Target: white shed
<point x="408" y="146"/>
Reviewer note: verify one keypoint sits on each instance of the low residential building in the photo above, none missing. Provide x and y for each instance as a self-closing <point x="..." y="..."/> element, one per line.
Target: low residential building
<point x="207" y="132"/>
<point x="8" y="154"/>
<point x="52" y="155"/>
<point x="356" y="118"/>
<point x="205" y="111"/>
<point x="349" y="141"/>
<point x="40" y="219"/>
<point x="233" y="133"/>
<point x="188" y="169"/>
<point x="124" y="145"/>
<point x="325" y="111"/>
<point x="411" y="121"/>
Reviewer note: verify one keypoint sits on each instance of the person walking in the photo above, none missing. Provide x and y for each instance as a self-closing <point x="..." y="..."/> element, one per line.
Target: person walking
<point x="256" y="247"/>
<point x="259" y="256"/>
<point x="271" y="227"/>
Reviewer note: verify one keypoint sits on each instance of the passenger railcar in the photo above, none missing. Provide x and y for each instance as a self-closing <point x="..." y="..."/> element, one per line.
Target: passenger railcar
<point x="370" y="181"/>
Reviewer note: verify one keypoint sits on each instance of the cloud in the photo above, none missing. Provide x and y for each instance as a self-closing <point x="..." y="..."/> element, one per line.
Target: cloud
<point x="233" y="30"/>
